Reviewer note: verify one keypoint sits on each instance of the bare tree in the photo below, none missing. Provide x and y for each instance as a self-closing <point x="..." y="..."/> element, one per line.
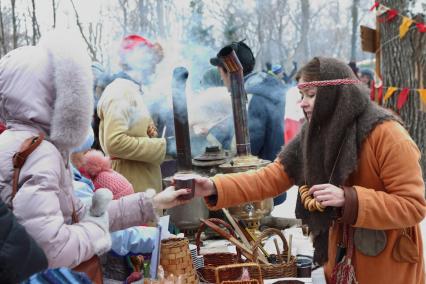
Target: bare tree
<point x="36" y="28"/>
<point x="54" y="9"/>
<point x="338" y="31"/>
<point x="95" y="39"/>
<point x="403" y="65"/>
<point x="3" y="39"/>
<point x="283" y="22"/>
<point x="142" y="10"/>
<point x="124" y="9"/>
<point x="80" y="27"/>
<point x="354" y="35"/>
<point x="269" y="29"/>
<point x="261" y="33"/>
<point x="14" y="25"/>
<point x="26" y="36"/>
<point x="161" y="31"/>
<point x="151" y="17"/>
<point x="302" y="49"/>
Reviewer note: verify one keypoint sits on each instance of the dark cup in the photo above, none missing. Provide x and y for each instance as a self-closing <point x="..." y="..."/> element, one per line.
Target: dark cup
<point x="304" y="266"/>
<point x="185" y="181"/>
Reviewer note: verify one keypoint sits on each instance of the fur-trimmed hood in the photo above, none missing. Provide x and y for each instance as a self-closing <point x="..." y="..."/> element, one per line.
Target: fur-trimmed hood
<point x="48" y="88"/>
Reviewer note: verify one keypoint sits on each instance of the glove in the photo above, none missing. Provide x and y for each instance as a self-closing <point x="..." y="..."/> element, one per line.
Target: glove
<point x="103" y="244"/>
<point x="99" y="216"/>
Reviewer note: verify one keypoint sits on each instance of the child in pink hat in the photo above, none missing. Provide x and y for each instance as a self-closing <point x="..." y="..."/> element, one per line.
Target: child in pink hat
<point x="98" y="168"/>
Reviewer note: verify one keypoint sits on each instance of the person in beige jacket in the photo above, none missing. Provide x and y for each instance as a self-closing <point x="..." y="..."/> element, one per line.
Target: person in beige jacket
<point x="126" y="131"/>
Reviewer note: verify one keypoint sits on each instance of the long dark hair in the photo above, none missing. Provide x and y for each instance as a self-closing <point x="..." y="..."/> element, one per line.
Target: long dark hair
<point x="310" y="71"/>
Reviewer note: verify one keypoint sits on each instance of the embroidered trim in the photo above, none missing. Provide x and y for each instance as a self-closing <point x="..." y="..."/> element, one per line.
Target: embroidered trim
<point x="328" y="83"/>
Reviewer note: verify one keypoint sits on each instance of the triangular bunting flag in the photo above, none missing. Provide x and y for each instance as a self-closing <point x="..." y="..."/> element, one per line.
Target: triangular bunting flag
<point x="381" y="10"/>
<point x="403" y="28"/>
<point x="392" y="13"/>
<point x="421" y="27"/>
<point x="372" y="92"/>
<point x="402" y="98"/>
<point x="375" y="5"/>
<point x="380" y="95"/>
<point x="422" y="93"/>
<point x="389" y="93"/>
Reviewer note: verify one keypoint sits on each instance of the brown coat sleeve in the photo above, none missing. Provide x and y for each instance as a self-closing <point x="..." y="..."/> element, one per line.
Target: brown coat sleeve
<point x="401" y="204"/>
<point x="234" y="189"/>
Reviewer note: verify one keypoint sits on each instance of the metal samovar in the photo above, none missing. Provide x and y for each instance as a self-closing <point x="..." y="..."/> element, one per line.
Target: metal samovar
<point x="207" y="164"/>
<point x="250" y="212"/>
<point x="185" y="217"/>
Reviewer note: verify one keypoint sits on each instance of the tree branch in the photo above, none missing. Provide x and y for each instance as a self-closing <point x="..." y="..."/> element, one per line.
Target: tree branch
<point x="92" y="51"/>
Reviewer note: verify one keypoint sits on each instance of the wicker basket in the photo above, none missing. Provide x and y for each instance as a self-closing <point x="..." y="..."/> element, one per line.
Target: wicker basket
<point x="222" y="273"/>
<point x="278" y="270"/>
<point x="190" y="278"/>
<point x="176" y="259"/>
<point x="213" y="260"/>
<point x="252" y="281"/>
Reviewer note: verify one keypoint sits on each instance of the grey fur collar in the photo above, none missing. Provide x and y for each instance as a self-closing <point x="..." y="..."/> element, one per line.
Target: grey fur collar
<point x="73" y="81"/>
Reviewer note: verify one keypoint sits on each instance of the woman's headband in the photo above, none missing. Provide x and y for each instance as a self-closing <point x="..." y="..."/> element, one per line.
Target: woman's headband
<point x="328" y="83"/>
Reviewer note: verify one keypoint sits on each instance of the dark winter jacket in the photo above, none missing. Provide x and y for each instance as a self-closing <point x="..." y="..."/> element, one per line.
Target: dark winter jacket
<point x="265" y="114"/>
<point x="20" y="256"/>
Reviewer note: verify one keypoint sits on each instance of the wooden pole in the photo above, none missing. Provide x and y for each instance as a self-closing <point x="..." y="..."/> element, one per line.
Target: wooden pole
<point x="378" y="59"/>
<point x="240" y="233"/>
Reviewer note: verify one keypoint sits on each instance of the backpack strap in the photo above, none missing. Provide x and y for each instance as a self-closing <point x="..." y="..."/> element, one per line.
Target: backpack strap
<point x="20" y="157"/>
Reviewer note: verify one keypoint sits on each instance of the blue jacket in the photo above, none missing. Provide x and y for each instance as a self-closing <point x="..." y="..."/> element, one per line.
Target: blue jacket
<point x="265" y="114"/>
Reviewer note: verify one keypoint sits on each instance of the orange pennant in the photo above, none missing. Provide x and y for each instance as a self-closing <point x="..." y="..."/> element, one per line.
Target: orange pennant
<point x="405" y="26"/>
<point x="389" y="93"/>
<point x="422" y="93"/>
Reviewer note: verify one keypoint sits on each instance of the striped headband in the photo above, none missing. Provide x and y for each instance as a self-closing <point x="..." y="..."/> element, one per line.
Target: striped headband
<point x="328" y="83"/>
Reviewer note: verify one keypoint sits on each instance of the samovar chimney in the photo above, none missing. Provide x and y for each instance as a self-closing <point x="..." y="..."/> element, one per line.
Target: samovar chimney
<point x="180" y="115"/>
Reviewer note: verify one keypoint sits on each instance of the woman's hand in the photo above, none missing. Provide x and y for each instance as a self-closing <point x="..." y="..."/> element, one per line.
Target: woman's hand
<point x="168" y="198"/>
<point x="152" y="131"/>
<point x="328" y="194"/>
<point x="204" y="187"/>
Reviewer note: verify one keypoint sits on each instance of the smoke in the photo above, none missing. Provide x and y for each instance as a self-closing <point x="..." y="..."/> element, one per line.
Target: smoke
<point x="209" y="107"/>
<point x="209" y="110"/>
<point x="211" y="118"/>
<point x="201" y="107"/>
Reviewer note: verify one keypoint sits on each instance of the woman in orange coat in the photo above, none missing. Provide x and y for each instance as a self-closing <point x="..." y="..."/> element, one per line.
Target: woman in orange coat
<point x="361" y="165"/>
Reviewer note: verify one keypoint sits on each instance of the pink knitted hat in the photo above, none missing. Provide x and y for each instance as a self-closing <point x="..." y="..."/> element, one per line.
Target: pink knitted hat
<point x="98" y="167"/>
